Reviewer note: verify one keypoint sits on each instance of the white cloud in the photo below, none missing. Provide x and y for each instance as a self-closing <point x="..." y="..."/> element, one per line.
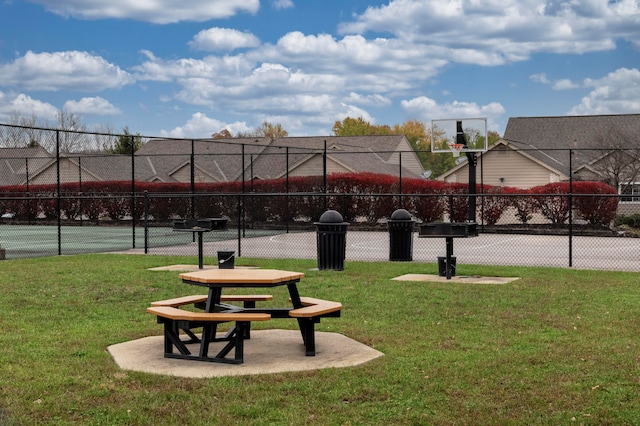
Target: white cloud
<point x="428" y="109"/>
<point x="616" y="93"/>
<point x="368" y="99"/>
<point x="539" y="78"/>
<point x="354" y="112"/>
<point x="564" y="84"/>
<point x="495" y="32"/>
<point x="201" y="126"/>
<point x="95" y="105"/>
<point x="25" y="105"/>
<point x="70" y="70"/>
<point x="282" y="4"/>
<point x="156" y="11"/>
<point x="215" y="39"/>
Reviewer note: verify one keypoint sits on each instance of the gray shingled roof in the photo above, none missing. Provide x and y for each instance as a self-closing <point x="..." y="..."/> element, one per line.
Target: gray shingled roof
<point x="550" y="138"/>
<point x="15" y="162"/>
<point x="222" y="158"/>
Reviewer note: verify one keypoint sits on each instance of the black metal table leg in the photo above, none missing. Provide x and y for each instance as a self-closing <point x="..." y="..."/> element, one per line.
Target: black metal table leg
<point x="449" y="255"/>
<point x="200" y="262"/>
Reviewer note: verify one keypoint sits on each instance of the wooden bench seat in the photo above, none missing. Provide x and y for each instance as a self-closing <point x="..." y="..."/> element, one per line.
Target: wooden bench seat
<point x="175" y="319"/>
<point x="248" y="299"/>
<point x="313" y="309"/>
<point x="200" y="300"/>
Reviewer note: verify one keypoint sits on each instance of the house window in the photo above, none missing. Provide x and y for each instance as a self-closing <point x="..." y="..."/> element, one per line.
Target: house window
<point x="630" y="192"/>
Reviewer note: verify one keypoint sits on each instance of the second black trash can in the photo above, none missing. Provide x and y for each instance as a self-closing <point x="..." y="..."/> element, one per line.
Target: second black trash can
<point x="331" y="235"/>
<point x="400" y="236"/>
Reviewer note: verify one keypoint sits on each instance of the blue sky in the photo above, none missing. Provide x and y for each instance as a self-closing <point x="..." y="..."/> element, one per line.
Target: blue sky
<point x="193" y="68"/>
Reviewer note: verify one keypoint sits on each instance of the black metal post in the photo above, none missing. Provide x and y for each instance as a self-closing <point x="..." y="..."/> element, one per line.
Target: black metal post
<point x="324" y="173"/>
<point x="570" y="208"/>
<point x="58" y="189"/>
<point x="287" y="187"/>
<point x="146" y="222"/>
<point x="80" y="201"/>
<point x="133" y="192"/>
<point x="400" y="174"/>
<point x="461" y="138"/>
<point x="193" y="179"/>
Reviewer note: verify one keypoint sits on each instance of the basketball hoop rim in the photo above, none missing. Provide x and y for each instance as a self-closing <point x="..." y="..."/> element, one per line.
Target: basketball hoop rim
<point x="456" y="148"/>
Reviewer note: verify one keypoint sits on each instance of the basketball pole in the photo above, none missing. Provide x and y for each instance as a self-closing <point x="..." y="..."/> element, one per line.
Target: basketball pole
<point x="472" y="160"/>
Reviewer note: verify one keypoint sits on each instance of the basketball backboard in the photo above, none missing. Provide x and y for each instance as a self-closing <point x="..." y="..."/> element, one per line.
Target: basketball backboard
<point x="448" y="134"/>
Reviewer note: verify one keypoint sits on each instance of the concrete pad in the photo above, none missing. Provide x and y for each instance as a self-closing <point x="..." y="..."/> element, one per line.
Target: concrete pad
<point x="464" y="279"/>
<point x="268" y="351"/>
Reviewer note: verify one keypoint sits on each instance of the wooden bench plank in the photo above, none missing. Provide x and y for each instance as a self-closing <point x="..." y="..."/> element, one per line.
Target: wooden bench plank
<point x="180" y="301"/>
<point x="315" y="307"/>
<point x="176" y="314"/>
<point x="201" y="298"/>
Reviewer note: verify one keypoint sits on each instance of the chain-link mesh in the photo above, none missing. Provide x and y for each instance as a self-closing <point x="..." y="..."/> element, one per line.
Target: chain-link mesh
<point x="66" y="192"/>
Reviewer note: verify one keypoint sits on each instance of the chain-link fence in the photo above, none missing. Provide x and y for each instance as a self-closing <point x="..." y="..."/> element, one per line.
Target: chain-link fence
<point x="66" y="192"/>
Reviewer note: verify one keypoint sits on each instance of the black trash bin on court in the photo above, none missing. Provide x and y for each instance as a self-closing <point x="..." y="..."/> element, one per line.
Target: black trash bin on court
<point x="331" y="236"/>
<point x="400" y="236"/>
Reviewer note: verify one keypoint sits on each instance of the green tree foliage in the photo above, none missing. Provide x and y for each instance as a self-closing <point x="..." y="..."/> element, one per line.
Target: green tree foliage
<point x="273" y="131"/>
<point x="359" y="127"/>
<point x="265" y="130"/>
<point x="127" y="143"/>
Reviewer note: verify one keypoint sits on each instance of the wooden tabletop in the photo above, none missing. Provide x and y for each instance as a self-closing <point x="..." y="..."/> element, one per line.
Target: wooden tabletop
<point x="241" y="276"/>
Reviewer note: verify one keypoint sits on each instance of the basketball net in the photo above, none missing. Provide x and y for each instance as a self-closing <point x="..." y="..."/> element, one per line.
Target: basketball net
<point x="456" y="148"/>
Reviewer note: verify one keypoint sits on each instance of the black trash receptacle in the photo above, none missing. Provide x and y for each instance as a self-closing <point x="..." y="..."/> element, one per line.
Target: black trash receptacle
<point x="442" y="266"/>
<point x="400" y="236"/>
<point x="331" y="236"/>
<point x="226" y="259"/>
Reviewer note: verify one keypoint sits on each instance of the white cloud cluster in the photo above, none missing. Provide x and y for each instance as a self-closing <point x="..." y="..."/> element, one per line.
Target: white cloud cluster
<point x="495" y="32"/>
<point x="70" y="70"/>
<point x="215" y="39"/>
<point x="93" y="105"/>
<point x="387" y="55"/>
<point x="25" y="106"/>
<point x="617" y="91"/>
<point x="199" y="123"/>
<point x="428" y="109"/>
<point x="156" y="11"/>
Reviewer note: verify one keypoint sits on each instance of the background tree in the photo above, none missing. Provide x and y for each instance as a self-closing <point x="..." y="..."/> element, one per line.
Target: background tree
<point x="222" y="134"/>
<point x="25" y="134"/>
<point x="359" y="127"/>
<point x="617" y="159"/>
<point x="127" y="143"/>
<point x="273" y="131"/>
<point x="265" y="130"/>
<point x="72" y="129"/>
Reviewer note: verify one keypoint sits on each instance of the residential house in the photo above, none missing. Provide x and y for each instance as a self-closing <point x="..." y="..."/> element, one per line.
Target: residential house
<point x="539" y="150"/>
<point x="217" y="160"/>
<point x="225" y="160"/>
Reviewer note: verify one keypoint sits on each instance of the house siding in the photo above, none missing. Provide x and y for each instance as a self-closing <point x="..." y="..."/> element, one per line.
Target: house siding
<point x="314" y="167"/>
<point x="516" y="170"/>
<point x="410" y="161"/>
<point x="69" y="172"/>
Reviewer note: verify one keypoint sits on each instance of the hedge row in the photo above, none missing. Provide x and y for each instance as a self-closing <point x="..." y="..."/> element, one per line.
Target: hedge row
<point x="364" y="196"/>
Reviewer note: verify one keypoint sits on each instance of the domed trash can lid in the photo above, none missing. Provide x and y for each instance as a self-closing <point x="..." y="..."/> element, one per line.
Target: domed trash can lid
<point x="331" y="217"/>
<point x="400" y="214"/>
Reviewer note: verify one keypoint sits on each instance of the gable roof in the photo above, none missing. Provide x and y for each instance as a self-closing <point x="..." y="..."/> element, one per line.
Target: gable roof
<point x="222" y="158"/>
<point x="15" y="163"/>
<point x="550" y="138"/>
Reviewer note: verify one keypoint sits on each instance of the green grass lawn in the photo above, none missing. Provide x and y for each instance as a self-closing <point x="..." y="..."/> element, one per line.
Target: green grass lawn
<point x="556" y="347"/>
